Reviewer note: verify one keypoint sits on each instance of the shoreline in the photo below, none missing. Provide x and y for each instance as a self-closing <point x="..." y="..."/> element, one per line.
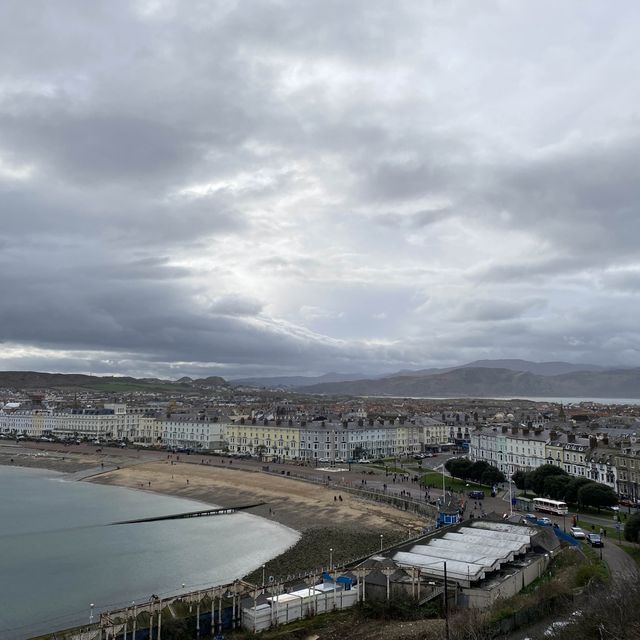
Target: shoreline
<point x="351" y="526"/>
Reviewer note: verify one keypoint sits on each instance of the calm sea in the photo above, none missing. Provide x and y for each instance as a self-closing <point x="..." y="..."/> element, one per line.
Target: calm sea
<point x="57" y="554"/>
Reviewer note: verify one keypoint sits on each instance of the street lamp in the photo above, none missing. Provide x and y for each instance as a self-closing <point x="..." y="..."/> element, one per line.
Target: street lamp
<point x="331" y="559"/>
<point x="91" y="613"/>
<point x="381" y="536"/>
<point x="263" y="569"/>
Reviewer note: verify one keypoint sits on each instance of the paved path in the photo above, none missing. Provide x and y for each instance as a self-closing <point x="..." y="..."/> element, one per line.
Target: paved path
<point x="621" y="564"/>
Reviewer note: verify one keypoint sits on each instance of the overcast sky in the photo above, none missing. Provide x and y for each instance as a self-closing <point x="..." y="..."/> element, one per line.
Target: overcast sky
<point x="237" y="188"/>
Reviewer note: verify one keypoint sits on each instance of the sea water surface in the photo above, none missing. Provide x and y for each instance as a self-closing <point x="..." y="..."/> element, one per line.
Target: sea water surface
<point x="59" y="554"/>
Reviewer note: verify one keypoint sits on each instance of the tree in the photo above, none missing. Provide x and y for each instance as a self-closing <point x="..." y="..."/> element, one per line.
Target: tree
<point x="571" y="491"/>
<point x="520" y="479"/>
<point x="596" y="495"/>
<point x="632" y="528"/>
<point x="459" y="467"/>
<point x="555" y="486"/>
<point x="538" y="476"/>
<point x="492" y="476"/>
<point x="477" y="469"/>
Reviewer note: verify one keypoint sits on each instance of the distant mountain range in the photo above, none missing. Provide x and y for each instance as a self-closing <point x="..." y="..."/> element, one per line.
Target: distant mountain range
<point x="482" y="378"/>
<point x="37" y="380"/>
<point x="482" y="382"/>
<point x="298" y="381"/>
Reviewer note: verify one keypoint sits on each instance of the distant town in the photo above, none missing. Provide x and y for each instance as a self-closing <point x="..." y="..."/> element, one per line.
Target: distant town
<point x="588" y="440"/>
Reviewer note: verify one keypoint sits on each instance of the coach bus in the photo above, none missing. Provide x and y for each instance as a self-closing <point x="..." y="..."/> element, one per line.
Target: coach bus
<point x="550" y="506"/>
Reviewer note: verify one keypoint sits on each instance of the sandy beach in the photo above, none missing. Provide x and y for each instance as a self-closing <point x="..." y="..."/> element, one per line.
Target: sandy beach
<point x="296" y="504"/>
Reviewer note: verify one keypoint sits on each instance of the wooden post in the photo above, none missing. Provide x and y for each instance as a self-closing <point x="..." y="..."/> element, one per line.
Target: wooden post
<point x="160" y="620"/>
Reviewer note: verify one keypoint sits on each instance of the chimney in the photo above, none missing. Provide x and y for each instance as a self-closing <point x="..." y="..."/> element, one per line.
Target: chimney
<point x="525" y="431"/>
<point x="371" y="422"/>
<point x="504" y="428"/>
<point x="290" y="422"/>
<point x="402" y="419"/>
<point x="553" y="435"/>
<point x="345" y="423"/>
<point x="605" y="441"/>
<point x="278" y="422"/>
<point x="241" y="420"/>
<point x="593" y="442"/>
<point x="571" y="437"/>
<point x="265" y="422"/>
<point x="514" y="430"/>
<point x="360" y="422"/>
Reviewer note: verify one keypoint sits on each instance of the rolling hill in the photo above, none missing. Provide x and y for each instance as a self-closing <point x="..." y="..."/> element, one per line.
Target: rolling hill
<point x="485" y="382"/>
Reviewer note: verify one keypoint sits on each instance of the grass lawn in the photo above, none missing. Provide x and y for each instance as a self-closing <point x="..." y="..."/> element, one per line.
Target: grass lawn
<point x="634" y="552"/>
<point x="434" y="479"/>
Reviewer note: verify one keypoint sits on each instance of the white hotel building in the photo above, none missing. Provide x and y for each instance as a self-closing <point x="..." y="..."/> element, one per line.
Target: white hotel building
<point x="191" y="433"/>
<point x="510" y="449"/>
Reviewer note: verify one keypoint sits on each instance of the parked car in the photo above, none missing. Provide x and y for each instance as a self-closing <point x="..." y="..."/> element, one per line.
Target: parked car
<point x="324" y="460"/>
<point x="363" y="461"/>
<point x="531" y="517"/>
<point x="577" y="532"/>
<point x="476" y="495"/>
<point x="545" y="520"/>
<point x="595" y="540"/>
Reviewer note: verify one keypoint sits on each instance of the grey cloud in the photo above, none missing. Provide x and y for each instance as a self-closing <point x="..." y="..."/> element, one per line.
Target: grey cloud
<point x="625" y="280"/>
<point x="202" y="172"/>
<point x="235" y="305"/>
<point x="496" y="309"/>
<point x="414" y="220"/>
<point x="101" y="148"/>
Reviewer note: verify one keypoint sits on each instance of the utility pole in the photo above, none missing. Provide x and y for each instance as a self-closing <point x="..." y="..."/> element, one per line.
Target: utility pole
<point x="446" y="603"/>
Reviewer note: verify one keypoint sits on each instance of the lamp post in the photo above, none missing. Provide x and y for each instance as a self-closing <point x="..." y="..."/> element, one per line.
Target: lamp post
<point x="91" y="613"/>
<point x="264" y="566"/>
<point x="331" y="559"/>
<point x="381" y="536"/>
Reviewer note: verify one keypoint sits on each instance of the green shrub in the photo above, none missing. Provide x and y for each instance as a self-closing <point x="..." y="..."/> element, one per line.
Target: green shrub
<point x="632" y="528"/>
<point x="590" y="572"/>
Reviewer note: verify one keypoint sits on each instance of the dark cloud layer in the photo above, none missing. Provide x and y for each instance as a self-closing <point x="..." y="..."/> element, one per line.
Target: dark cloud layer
<point x="254" y="187"/>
